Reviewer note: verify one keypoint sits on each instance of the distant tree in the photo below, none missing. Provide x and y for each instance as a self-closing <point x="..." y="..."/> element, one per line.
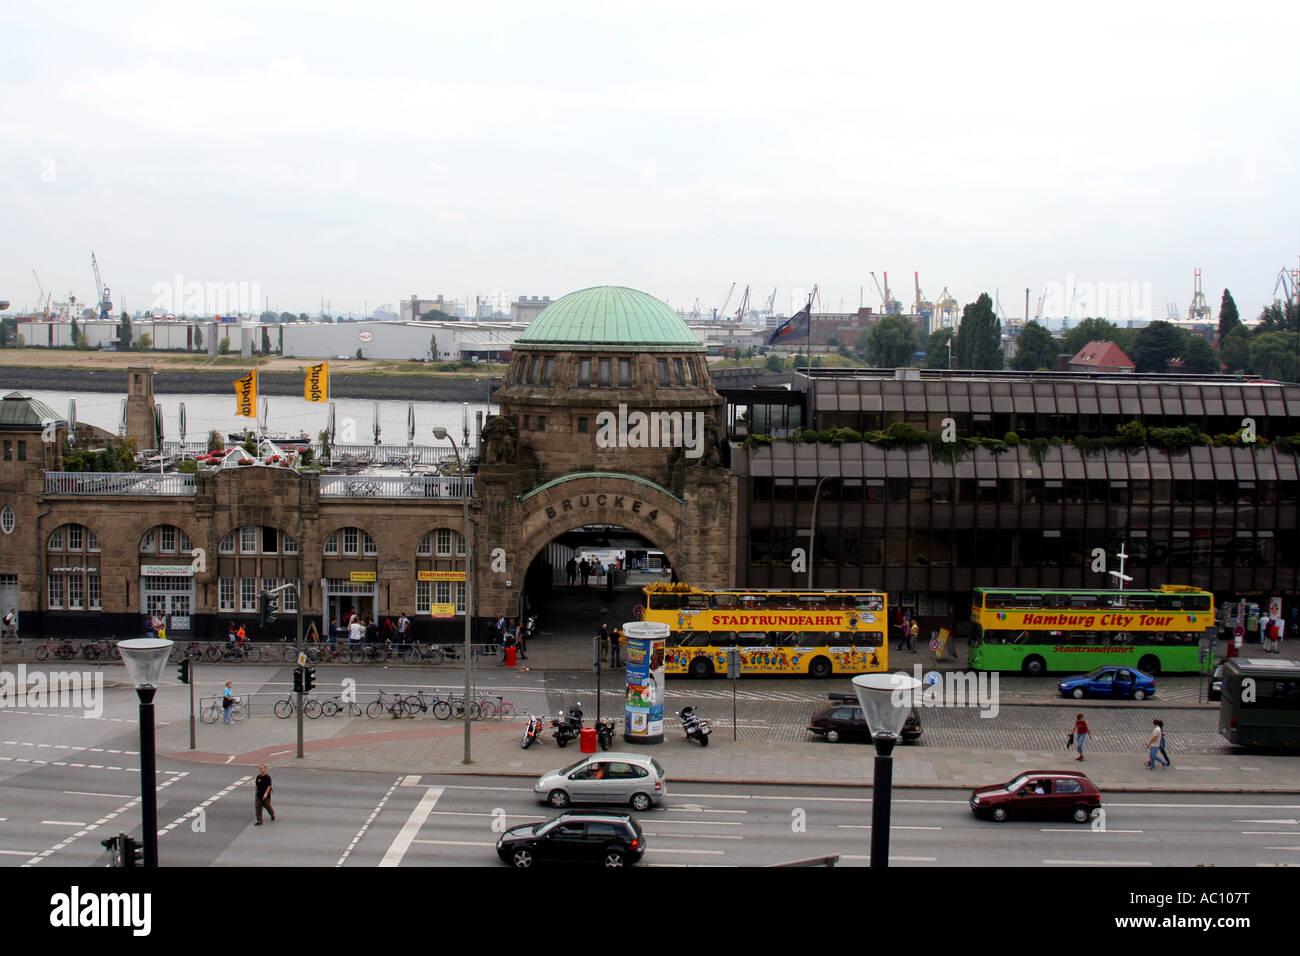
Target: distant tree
<point x="223" y="347"/>
<point x="978" y="344"/>
<point x="436" y="315"/>
<point x="1199" y="356"/>
<point x="74" y="332"/>
<point x="270" y="317"/>
<point x="1089" y="330"/>
<point x="832" y="342"/>
<point x="433" y="348"/>
<point x="124" y="333"/>
<point x="216" y="440"/>
<point x="774" y="364"/>
<point x="8" y="329"/>
<point x="1155" y="345"/>
<point x="266" y="341"/>
<point x="1278" y="317"/>
<point x="1228" y="317"/>
<point x="936" y="348"/>
<point x="144" y="341"/>
<point x="198" y="336"/>
<point x="1235" y="350"/>
<point x="1035" y="349"/>
<point x="891" y="342"/>
<point x="288" y="317"/>
<point x="280" y="345"/>
<point x="302" y="317"/>
<point x="1273" y="355"/>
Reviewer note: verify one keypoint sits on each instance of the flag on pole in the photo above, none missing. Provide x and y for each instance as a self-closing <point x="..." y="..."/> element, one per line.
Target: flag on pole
<point x="798" y="326"/>
<point x="246" y="395"/>
<point x="317" y="386"/>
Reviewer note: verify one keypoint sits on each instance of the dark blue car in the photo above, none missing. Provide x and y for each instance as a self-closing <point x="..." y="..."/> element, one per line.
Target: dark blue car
<point x="1114" y="681"/>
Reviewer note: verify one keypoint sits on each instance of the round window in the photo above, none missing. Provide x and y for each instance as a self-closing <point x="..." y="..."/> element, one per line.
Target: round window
<point x="7" y="519"/>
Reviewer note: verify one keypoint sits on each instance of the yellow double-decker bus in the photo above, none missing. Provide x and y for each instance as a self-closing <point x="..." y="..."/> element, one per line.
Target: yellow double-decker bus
<point x="815" y="633"/>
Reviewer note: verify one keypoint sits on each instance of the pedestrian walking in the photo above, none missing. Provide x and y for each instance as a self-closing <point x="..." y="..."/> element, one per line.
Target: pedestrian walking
<point x="1080" y="734"/>
<point x="507" y="642"/>
<point x="334" y="632"/>
<point x="603" y="634"/>
<point x="521" y="638"/>
<point x="1263" y="629"/>
<point x="227" y="701"/>
<point x="616" y="645"/>
<point x="355" y="631"/>
<point x="262" y="796"/>
<point x="11" y="626"/>
<point x="571" y="569"/>
<point x="1163" y="752"/>
<point x="1153" y="746"/>
<point x="913" y="634"/>
<point x="403" y="628"/>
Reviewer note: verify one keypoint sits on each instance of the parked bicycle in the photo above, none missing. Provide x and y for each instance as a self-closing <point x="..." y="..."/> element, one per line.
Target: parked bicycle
<point x="419" y="701"/>
<point x="94" y="650"/>
<point x="311" y="707"/>
<point x="63" y="650"/>
<point x="233" y="652"/>
<point x="424" y="654"/>
<point x="386" y="703"/>
<point x="370" y="653"/>
<point x="211" y="712"/>
<point x="332" y="707"/>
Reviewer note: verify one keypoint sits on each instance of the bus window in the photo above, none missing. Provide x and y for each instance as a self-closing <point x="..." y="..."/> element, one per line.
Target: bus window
<point x="1198" y="602"/>
<point x="665" y="602"/>
<point x="1029" y="601"/>
<point x="1056" y="600"/>
<point x="1083" y="600"/>
<point x="725" y="602"/>
<point x="696" y="638"/>
<point x="1169" y="602"/>
<point x="997" y="601"/>
<point x="869" y="602"/>
<point x="839" y="602"/>
<point x="751" y="601"/>
<point x="752" y="639"/>
<point x="696" y="602"/>
<point x="720" y="638"/>
<point x="1114" y="600"/>
<point x="812" y="600"/>
<point x="787" y="639"/>
<point x="1142" y="602"/>
<point x="868" y="639"/>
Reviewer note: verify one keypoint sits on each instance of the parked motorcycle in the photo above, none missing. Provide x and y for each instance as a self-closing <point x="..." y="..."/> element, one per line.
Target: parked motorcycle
<point x="696" y="727"/>
<point x="605" y="733"/>
<point x="568" y="728"/>
<point x="533" y="732"/>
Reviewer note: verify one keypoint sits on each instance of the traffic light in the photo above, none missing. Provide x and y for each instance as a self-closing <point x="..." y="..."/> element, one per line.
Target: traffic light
<point x="183" y="671"/>
<point x="297" y="680"/>
<point x="268" y="605"/>
<point x="308" y="679"/>
<point x="132" y="852"/>
<point x="124" y="850"/>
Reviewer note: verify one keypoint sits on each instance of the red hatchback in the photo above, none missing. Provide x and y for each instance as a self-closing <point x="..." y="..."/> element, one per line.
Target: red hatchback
<point x="1038" y="794"/>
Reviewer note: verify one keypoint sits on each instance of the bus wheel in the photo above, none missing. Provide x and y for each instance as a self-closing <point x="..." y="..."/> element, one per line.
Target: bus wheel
<point x="701" y="668"/>
<point x="820" y="668"/>
<point x="1150" y="665"/>
<point x="1034" y="666"/>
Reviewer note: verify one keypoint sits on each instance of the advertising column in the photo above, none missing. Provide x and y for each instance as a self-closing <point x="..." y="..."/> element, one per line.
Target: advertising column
<point x="644" y="703"/>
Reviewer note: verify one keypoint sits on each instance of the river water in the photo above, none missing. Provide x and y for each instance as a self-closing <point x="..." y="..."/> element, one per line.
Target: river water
<point x="353" y="418"/>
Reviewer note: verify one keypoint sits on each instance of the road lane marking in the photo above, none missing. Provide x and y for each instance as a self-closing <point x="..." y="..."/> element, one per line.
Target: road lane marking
<point x="19" y="852"/>
<point x="452" y="843"/>
<point x="1083" y="830"/>
<point x="63" y="823"/>
<point x="1268" y="833"/>
<point x="892" y="858"/>
<point x="369" y="820"/>
<point x="85" y="793"/>
<point x="1279" y="847"/>
<point x="412" y="780"/>
<point x="91" y="827"/>
<point x="1289" y="823"/>
<point x="657" y="849"/>
<point x="189" y="814"/>
<point x="867" y="826"/>
<point x="699" y="823"/>
<point x="701" y="810"/>
<point x="402" y="842"/>
<point x="1097" y="862"/>
<point x="692" y="836"/>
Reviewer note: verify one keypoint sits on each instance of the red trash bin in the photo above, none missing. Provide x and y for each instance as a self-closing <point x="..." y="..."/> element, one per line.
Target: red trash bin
<point x="588" y="740"/>
<point x="511" y="656"/>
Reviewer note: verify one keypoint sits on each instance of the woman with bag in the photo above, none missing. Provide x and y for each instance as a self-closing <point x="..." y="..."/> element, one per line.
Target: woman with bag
<point x="1080" y="734"/>
<point x="1161" y="725"/>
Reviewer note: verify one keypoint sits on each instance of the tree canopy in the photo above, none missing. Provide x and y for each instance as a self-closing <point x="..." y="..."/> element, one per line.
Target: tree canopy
<point x="936" y="348"/>
<point x="1036" y="349"/>
<point x="1199" y="356"/>
<point x="1273" y="355"/>
<point x="978" y="344"/>
<point x="1155" y="345"/>
<point x="892" y="342"/>
<point x="1235" y="350"/>
<point x="1228" y="317"/>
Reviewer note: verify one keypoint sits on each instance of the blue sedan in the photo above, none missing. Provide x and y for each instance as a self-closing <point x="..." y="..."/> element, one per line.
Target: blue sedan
<point x="1110" y="682"/>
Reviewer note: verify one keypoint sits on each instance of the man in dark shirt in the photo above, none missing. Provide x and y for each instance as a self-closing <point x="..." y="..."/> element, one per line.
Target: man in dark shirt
<point x="263" y="798"/>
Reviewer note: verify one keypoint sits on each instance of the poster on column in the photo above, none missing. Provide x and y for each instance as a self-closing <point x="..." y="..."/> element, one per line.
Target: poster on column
<point x="644" y="703"/>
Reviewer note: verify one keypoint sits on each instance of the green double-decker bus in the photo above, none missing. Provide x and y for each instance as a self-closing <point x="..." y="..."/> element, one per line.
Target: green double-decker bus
<point x="1034" y="632"/>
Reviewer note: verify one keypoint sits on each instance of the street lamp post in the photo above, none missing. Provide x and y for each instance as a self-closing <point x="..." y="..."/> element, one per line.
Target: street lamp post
<point x="442" y="434"/>
<point x="886" y="700"/>
<point x="812" y="534"/>
<point x="145" y="658"/>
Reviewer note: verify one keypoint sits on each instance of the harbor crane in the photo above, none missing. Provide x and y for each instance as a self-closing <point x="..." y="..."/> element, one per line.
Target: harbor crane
<point x="721" y="310"/>
<point x="105" y="302"/>
<point x="744" y="306"/>
<point x="43" y="297"/>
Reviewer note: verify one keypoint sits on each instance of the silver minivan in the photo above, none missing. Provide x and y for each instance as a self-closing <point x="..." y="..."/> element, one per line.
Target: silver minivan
<point x="610" y="778"/>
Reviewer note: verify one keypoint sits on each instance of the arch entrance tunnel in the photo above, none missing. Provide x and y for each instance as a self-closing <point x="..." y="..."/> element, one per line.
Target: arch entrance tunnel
<point x="572" y="608"/>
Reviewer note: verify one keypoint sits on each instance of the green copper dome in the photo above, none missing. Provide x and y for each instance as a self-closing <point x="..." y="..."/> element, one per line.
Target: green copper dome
<point x="609" y="315"/>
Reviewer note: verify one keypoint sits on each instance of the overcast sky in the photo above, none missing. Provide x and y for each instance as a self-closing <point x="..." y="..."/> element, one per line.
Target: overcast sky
<point x="359" y="153"/>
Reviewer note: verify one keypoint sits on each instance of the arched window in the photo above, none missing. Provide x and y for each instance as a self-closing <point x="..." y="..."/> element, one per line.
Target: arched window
<point x="73" y="582"/>
<point x="165" y="539"/>
<point x="350" y="542"/>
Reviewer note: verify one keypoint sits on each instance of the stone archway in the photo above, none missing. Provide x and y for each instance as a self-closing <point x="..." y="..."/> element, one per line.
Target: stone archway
<point x="529" y="522"/>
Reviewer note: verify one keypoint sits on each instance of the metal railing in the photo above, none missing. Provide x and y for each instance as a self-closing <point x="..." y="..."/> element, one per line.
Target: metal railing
<point x="396" y="486"/>
<point x="117" y="483"/>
